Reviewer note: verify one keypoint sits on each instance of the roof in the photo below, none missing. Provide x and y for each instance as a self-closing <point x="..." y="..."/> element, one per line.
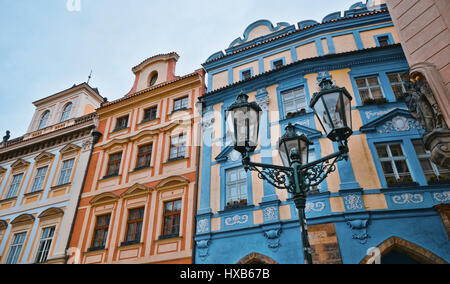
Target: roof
<point x="164" y="56"/>
<point x="75" y="86"/>
<point x="259" y="43"/>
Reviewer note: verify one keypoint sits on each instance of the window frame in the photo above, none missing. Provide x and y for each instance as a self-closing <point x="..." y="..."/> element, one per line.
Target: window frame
<point x="178" y="146"/>
<point x="100" y="228"/>
<point x="114" y="162"/>
<point x="229" y="203"/>
<point x="119" y="125"/>
<point x="434" y="167"/>
<point x="137" y="235"/>
<point x="150" y="118"/>
<point x="48" y="242"/>
<point x="292" y="91"/>
<point x="369" y="87"/>
<point x="400" y="82"/>
<point x="171" y="214"/>
<point x="19" y="184"/>
<point x="65" y="115"/>
<point x="62" y="181"/>
<point x="144" y="154"/>
<point x="184" y="103"/>
<point x="392" y="159"/>
<point x="12" y="245"/>
<point x="43" y="121"/>
<point x="41" y="181"/>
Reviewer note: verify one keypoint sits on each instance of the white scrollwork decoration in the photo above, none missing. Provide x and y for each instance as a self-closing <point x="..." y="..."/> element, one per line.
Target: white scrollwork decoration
<point x="315" y="207"/>
<point x="408" y="198"/>
<point x="270" y="213"/>
<point x="400" y="123"/>
<point x="236" y="220"/>
<point x="442" y="196"/>
<point x="203" y="226"/>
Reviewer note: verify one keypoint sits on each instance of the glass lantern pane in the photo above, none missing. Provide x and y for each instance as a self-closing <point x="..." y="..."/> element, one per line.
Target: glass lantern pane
<point x="240" y="120"/>
<point x="335" y="108"/>
<point x="321" y="112"/>
<point x="348" y="111"/>
<point x="253" y="118"/>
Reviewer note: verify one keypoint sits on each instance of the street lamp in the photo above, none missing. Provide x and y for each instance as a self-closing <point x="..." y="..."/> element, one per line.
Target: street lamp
<point x="297" y="175"/>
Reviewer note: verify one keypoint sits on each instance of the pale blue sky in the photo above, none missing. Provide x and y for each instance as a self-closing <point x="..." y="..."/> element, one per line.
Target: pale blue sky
<point x="45" y="49"/>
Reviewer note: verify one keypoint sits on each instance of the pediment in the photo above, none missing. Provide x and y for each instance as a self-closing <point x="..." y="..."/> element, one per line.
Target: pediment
<point x="137" y="189"/>
<point x="115" y="143"/>
<point x="23" y="219"/>
<point x="172" y="181"/>
<point x="3" y="225"/>
<point x="70" y="148"/>
<point x="44" y="156"/>
<point x="20" y="163"/>
<point x="397" y="120"/>
<point x="107" y="197"/>
<point x="309" y="132"/>
<point x="225" y="154"/>
<point x="51" y="212"/>
<point x="144" y="133"/>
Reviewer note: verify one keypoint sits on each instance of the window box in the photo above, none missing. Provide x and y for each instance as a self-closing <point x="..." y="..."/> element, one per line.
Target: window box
<point x="295" y="114"/>
<point x="236" y="205"/>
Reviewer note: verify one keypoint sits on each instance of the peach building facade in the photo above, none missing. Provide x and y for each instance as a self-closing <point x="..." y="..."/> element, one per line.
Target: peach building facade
<point x="138" y="201"/>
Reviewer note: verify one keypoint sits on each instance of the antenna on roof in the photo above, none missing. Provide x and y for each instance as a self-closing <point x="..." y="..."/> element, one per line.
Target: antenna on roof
<point x="89" y="78"/>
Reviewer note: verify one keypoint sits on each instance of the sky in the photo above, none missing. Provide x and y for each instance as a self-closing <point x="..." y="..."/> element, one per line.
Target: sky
<point x="46" y="48"/>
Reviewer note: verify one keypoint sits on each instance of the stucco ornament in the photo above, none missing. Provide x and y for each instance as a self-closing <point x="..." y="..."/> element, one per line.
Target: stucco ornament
<point x="270" y="214"/>
<point x="203" y="248"/>
<point x="314" y="207"/>
<point x="408" y="198"/>
<point x="273" y="238"/>
<point x="400" y="123"/>
<point x="442" y="196"/>
<point x="424" y="107"/>
<point x="353" y="202"/>
<point x="236" y="220"/>
<point x="203" y="226"/>
<point x="359" y="228"/>
<point x="263" y="103"/>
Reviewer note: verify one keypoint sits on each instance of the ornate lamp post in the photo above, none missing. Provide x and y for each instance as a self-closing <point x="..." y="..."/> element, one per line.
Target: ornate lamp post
<point x="297" y="175"/>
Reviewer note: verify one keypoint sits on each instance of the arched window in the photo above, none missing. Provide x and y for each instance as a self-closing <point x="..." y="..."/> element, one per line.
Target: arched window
<point x="66" y="112"/>
<point x="44" y="119"/>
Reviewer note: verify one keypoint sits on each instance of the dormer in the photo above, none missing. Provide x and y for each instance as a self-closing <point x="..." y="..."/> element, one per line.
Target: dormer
<point x="74" y="102"/>
<point x="154" y="71"/>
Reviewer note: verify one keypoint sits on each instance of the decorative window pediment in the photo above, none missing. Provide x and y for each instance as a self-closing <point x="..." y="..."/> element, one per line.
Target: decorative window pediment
<point x="225" y="154"/>
<point x="70" y="148"/>
<point x="116" y="143"/>
<point x="44" y="156"/>
<point x="20" y="163"/>
<point x="135" y="190"/>
<point x="103" y="198"/>
<point x="172" y="181"/>
<point x="397" y="120"/>
<point x="51" y="212"/>
<point x="24" y="218"/>
<point x="3" y="225"/>
<point x="143" y="134"/>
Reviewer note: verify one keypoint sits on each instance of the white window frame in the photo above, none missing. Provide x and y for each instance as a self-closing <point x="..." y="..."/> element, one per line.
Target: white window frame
<point x="39" y="179"/>
<point x="42" y="255"/>
<point x="16" y="184"/>
<point x="369" y="87"/>
<point x="299" y="94"/>
<point x="64" y="178"/>
<point x="230" y="200"/>
<point x="16" y="255"/>
<point x="392" y="159"/>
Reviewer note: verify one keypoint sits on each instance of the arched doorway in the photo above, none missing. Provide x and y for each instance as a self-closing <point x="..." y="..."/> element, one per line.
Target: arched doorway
<point x="256" y="258"/>
<point x="399" y="251"/>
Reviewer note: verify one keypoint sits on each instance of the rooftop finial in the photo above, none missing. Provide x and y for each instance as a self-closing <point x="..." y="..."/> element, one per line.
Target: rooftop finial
<point x="89" y="77"/>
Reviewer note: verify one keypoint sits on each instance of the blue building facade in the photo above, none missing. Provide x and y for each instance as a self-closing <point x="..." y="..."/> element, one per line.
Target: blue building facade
<point x="387" y="203"/>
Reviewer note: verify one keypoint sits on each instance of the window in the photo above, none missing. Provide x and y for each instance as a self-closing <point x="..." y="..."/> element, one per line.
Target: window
<point x="245" y="75"/>
<point x="134" y="225"/>
<point x="181" y="104"/>
<point x="393" y="162"/>
<point x="16" y="248"/>
<point x="150" y="114"/>
<point x="114" y="164"/>
<point x="44" y="244"/>
<point x="44" y="119"/>
<point x="397" y="83"/>
<point x="66" y="172"/>
<point x="122" y="123"/>
<point x="39" y="179"/>
<point x="369" y="88"/>
<point x="66" y="112"/>
<point x="177" y="147"/>
<point x="278" y="64"/>
<point x="433" y="173"/>
<point x="383" y="41"/>
<point x="294" y="101"/>
<point x="101" y="232"/>
<point x="236" y="187"/>
<point x="14" y="187"/>
<point x="153" y="79"/>
<point x="172" y="214"/>
<point x="144" y="156"/>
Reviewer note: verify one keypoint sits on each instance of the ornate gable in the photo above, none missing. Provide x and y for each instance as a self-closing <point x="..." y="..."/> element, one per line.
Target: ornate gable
<point x="397" y="120"/>
<point x="44" y="156"/>
<point x="103" y="198"/>
<point x="20" y="163"/>
<point x="23" y="219"/>
<point x="70" y="148"/>
<point x="51" y="212"/>
<point x="172" y="181"/>
<point x="136" y="190"/>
